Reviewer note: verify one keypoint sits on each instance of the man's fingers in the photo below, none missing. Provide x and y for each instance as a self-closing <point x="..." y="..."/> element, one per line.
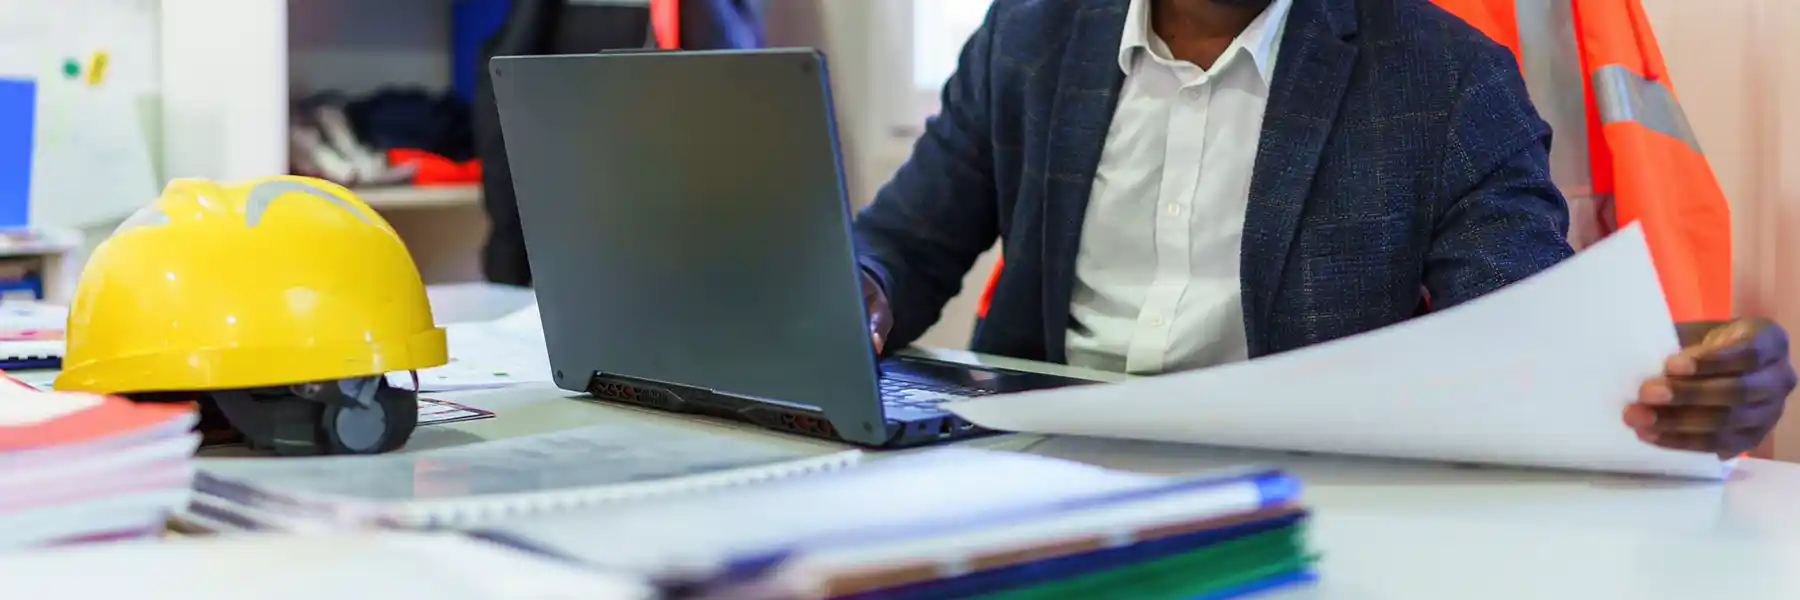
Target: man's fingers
<point x="1723" y="361"/>
<point x="1737" y="347"/>
<point x="1698" y="442"/>
<point x="1726" y="431"/>
<point x="1638" y="416"/>
<point x="880" y="321"/>
<point x="1762" y="414"/>
<point x="1716" y="391"/>
<point x="1691" y="419"/>
<point x="1723" y="447"/>
<point x="1754" y="386"/>
<point x="1656" y="392"/>
<point x="1702" y="419"/>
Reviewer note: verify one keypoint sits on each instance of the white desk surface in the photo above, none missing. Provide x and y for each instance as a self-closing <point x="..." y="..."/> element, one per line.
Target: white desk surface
<point x="1387" y="530"/>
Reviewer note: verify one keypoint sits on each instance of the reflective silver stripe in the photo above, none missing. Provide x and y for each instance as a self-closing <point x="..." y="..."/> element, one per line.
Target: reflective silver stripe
<point x="1622" y="95"/>
<point x="1551" y="61"/>
<point x="266" y="192"/>
<point x="148" y="216"/>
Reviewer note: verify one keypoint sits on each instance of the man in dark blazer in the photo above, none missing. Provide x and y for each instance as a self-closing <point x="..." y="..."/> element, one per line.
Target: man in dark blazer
<point x="1183" y="183"/>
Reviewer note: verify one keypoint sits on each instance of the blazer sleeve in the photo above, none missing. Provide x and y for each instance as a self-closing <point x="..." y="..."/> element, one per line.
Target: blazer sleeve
<point x="930" y="223"/>
<point x="1502" y="219"/>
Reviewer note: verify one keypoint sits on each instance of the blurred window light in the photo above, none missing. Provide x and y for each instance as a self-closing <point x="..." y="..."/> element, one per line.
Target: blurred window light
<point x="940" y="27"/>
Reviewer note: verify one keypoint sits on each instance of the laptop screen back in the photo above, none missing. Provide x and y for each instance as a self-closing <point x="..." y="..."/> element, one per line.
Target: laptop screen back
<point x="686" y="222"/>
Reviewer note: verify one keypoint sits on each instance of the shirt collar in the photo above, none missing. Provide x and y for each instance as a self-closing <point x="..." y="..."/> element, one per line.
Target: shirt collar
<point x="1261" y="39"/>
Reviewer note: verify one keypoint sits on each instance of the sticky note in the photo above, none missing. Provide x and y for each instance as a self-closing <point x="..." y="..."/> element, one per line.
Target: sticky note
<point x="18" y="124"/>
<point x="97" y="68"/>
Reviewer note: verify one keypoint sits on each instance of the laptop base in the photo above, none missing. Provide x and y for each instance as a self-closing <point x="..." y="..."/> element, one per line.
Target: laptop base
<point x="911" y="389"/>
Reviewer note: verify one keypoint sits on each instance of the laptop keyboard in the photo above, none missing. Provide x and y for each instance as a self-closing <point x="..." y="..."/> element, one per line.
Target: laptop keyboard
<point x="900" y="393"/>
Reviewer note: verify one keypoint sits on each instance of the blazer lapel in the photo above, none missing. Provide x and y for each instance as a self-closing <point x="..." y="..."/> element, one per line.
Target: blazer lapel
<point x="1080" y="115"/>
<point x="1312" y="73"/>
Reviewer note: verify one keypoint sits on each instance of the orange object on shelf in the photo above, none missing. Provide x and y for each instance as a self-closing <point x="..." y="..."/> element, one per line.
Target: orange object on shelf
<point x="434" y="169"/>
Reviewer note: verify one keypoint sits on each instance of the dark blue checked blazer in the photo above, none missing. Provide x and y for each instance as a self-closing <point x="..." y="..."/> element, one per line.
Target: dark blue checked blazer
<point x="1399" y="156"/>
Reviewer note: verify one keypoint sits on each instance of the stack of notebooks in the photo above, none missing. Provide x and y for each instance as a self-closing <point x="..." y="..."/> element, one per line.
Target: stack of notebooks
<point x="80" y="467"/>
<point x="703" y="516"/>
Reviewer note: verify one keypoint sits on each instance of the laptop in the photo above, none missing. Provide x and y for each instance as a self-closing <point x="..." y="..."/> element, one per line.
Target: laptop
<point x="689" y="239"/>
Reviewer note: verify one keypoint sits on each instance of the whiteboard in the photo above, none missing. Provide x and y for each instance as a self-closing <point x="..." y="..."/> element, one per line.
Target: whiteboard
<point x="93" y="158"/>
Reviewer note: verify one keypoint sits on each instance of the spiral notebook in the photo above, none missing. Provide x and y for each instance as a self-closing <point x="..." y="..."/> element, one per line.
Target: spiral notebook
<point x="468" y="486"/>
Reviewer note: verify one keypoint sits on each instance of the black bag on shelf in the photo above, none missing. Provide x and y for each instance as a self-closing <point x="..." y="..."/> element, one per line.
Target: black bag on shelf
<point x="576" y="27"/>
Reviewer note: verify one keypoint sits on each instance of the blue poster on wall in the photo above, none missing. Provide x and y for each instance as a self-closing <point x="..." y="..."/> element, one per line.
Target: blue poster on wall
<point x="18" y="109"/>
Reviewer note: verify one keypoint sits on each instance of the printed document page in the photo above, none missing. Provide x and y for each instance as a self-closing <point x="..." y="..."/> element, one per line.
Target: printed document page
<point x="1537" y="374"/>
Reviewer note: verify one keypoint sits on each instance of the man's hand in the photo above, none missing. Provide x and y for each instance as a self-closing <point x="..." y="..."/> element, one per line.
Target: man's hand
<point x="1722" y="393"/>
<point x="880" y="319"/>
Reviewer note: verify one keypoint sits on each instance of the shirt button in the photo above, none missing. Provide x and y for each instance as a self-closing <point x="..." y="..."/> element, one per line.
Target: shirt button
<point x="1156" y="321"/>
<point x="1174" y="210"/>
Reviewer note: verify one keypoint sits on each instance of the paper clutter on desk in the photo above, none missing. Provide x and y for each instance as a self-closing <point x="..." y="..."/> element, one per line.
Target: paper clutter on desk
<point x="80" y="467"/>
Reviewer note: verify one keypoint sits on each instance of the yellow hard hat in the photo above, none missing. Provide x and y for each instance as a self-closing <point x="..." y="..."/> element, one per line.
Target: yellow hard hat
<point x="268" y="282"/>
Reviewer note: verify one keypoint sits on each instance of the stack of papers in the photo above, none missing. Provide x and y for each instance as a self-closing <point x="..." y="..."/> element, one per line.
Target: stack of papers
<point x="950" y="523"/>
<point x="77" y="467"/>
<point x="499" y="353"/>
<point x="388" y="566"/>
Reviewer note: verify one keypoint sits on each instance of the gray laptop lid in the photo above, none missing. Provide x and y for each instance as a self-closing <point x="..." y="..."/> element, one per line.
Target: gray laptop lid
<point x="686" y="223"/>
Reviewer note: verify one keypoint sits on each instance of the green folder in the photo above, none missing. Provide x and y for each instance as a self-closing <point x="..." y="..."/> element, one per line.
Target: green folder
<point x="1201" y="572"/>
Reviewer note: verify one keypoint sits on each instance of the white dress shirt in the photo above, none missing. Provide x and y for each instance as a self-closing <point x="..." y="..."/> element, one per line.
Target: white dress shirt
<point x="1156" y="276"/>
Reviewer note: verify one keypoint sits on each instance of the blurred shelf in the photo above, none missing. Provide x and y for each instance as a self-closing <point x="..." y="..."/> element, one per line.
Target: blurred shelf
<point x="421" y="197"/>
<point x="38" y="241"/>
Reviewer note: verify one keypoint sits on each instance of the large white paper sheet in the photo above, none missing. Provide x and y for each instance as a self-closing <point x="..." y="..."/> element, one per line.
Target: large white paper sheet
<point x="1536" y="374"/>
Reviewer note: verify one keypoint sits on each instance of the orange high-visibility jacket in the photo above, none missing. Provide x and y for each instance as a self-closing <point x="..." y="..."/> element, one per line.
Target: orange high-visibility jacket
<point x="665" y="23"/>
<point x="1623" y="149"/>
